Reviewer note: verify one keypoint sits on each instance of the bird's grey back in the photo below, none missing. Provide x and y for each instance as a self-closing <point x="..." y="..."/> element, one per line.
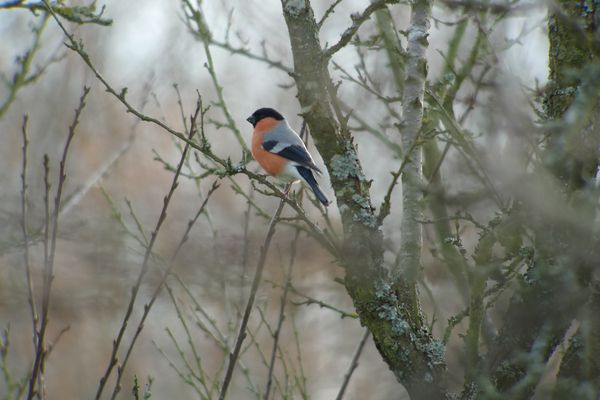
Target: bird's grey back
<point x="283" y="134"/>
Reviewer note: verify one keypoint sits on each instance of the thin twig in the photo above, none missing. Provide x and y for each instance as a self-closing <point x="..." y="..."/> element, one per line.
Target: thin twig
<point x="22" y="78"/>
<point x="311" y="300"/>
<point x="30" y="288"/>
<point x="218" y="336"/>
<point x="199" y="376"/>
<point x="286" y="289"/>
<point x="353" y="364"/>
<point x="384" y="209"/>
<point x="249" y="305"/>
<point x="103" y="170"/>
<point x="246" y="246"/>
<point x="49" y="253"/>
<point x="329" y="11"/>
<point x="357" y="21"/>
<point x="247" y="53"/>
<point x="161" y="284"/>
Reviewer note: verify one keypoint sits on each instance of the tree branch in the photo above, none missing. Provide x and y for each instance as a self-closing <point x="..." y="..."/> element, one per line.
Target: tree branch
<point x="357" y="21"/>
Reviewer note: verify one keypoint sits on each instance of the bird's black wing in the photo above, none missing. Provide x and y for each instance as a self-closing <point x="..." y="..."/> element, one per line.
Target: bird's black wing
<point x="291" y="152"/>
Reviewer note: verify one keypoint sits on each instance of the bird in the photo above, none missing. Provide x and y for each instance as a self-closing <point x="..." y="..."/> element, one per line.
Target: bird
<point x="280" y="151"/>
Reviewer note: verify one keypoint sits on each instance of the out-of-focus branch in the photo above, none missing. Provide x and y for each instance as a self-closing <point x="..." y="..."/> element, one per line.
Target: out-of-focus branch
<point x="393" y="47"/>
<point x="242" y="51"/>
<point x="465" y="145"/>
<point x="201" y="31"/>
<point x="22" y="77"/>
<point x="502" y="8"/>
<point x="15" y="388"/>
<point x="364" y="125"/>
<point x="78" y="14"/>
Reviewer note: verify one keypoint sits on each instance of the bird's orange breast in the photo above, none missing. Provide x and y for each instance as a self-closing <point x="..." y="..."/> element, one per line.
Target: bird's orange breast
<point x="272" y="163"/>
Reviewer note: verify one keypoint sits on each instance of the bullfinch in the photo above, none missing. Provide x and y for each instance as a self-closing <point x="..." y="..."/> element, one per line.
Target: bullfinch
<point x="281" y="152"/>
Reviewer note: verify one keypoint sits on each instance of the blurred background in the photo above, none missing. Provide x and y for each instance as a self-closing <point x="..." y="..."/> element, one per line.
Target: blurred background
<point x="117" y="178"/>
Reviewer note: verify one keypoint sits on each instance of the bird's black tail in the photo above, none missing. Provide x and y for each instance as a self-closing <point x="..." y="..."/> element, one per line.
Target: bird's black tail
<point x="308" y="176"/>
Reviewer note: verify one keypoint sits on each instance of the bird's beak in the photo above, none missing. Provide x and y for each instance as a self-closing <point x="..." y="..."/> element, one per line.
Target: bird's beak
<point x="252" y="120"/>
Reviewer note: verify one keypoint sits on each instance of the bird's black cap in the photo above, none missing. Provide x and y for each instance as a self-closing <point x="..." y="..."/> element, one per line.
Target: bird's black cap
<point x="262" y="113"/>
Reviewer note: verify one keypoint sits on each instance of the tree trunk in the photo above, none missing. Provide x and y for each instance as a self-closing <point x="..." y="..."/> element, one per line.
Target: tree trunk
<point x="387" y="310"/>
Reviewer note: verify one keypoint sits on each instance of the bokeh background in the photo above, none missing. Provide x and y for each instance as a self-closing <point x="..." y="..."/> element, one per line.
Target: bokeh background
<point x="148" y="49"/>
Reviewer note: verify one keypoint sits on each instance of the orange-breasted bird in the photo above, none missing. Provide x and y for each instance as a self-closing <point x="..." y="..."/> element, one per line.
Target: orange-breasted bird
<point x="281" y="152"/>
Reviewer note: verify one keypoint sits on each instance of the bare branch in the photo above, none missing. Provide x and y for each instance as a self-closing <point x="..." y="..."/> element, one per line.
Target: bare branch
<point x="357" y="21"/>
<point x="24" y="221"/>
<point x="78" y="14"/>
<point x="330" y="10"/>
<point x="50" y="250"/>
<point x="247" y="53"/>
